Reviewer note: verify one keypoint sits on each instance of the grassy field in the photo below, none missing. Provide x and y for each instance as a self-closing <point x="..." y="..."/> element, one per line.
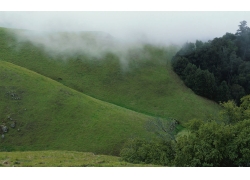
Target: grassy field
<point x="51" y="116"/>
<point x="54" y="103"/>
<point x="145" y="84"/>
<point x="62" y="159"/>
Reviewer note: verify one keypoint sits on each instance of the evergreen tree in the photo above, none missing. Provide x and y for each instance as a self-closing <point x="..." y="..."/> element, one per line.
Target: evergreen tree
<point x="204" y="83"/>
<point x="179" y="64"/>
<point x="189" y="74"/>
<point x="243" y="40"/>
<point x="223" y="92"/>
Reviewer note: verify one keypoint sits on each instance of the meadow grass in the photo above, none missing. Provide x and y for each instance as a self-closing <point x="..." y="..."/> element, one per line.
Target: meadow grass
<point x="62" y="159"/>
<point x="146" y="83"/>
<point x="50" y="116"/>
<point x="82" y="103"/>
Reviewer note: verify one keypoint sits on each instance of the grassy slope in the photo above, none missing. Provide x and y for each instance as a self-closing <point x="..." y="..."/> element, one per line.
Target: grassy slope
<point x="61" y="159"/>
<point x="148" y="86"/>
<point x="50" y="116"/>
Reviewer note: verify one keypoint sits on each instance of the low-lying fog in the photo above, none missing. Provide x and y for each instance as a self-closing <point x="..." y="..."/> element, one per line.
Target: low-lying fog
<point x="119" y="31"/>
<point x="155" y="27"/>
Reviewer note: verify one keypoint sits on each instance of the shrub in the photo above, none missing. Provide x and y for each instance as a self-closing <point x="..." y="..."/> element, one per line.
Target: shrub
<point x="142" y="151"/>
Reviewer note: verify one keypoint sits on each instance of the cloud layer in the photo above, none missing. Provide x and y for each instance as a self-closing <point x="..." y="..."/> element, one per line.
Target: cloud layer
<point x="154" y="27"/>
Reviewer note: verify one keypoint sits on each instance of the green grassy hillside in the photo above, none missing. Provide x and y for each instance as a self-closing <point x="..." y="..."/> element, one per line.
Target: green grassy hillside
<point x="146" y="83"/>
<point x="62" y="159"/>
<point x="42" y="114"/>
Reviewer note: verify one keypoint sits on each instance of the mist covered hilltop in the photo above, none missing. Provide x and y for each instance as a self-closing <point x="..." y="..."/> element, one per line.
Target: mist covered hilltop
<point x="150" y="88"/>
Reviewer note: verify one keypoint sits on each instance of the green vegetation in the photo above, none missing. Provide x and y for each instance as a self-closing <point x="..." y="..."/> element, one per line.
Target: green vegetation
<point x="215" y="144"/>
<point x="149" y="152"/>
<point x="62" y="159"/>
<point x="217" y="69"/>
<point x="50" y="116"/>
<point x="144" y="82"/>
<point x="55" y="102"/>
<point x="221" y="142"/>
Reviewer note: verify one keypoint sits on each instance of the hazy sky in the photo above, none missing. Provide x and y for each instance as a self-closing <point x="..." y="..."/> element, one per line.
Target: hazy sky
<point x="153" y="26"/>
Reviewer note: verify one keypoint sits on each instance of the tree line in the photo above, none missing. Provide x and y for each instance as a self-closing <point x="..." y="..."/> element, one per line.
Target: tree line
<point x="218" y="69"/>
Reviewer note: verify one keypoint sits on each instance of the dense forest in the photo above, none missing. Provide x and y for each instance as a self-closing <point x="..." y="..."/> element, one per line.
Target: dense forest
<point x="218" y="69"/>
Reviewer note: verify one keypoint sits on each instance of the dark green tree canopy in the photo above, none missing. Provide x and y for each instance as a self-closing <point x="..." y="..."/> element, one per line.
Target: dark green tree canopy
<point x="217" y="69"/>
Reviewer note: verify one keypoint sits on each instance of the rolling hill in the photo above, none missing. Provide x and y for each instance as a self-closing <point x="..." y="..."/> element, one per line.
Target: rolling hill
<point x="139" y="78"/>
<point x="63" y="99"/>
<point x="42" y="114"/>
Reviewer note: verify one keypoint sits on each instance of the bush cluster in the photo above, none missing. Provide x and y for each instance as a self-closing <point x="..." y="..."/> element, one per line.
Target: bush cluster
<point x="223" y="142"/>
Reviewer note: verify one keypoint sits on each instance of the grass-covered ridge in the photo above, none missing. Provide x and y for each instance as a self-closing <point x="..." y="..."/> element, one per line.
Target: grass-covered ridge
<point x="50" y="116"/>
<point x="144" y="83"/>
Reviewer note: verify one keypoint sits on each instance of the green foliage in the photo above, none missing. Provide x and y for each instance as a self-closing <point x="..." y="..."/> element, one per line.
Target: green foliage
<point x="239" y="146"/>
<point x="205" y="147"/>
<point x="142" y="151"/>
<point x="179" y="65"/>
<point x="243" y="40"/>
<point x="237" y="92"/>
<point x="204" y="83"/>
<point x="215" y="144"/>
<point x="210" y="143"/>
<point x="223" y="68"/>
<point x="232" y="112"/>
<point x="190" y="75"/>
<point x="223" y="92"/>
<point x="201" y="81"/>
<point x="194" y="124"/>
